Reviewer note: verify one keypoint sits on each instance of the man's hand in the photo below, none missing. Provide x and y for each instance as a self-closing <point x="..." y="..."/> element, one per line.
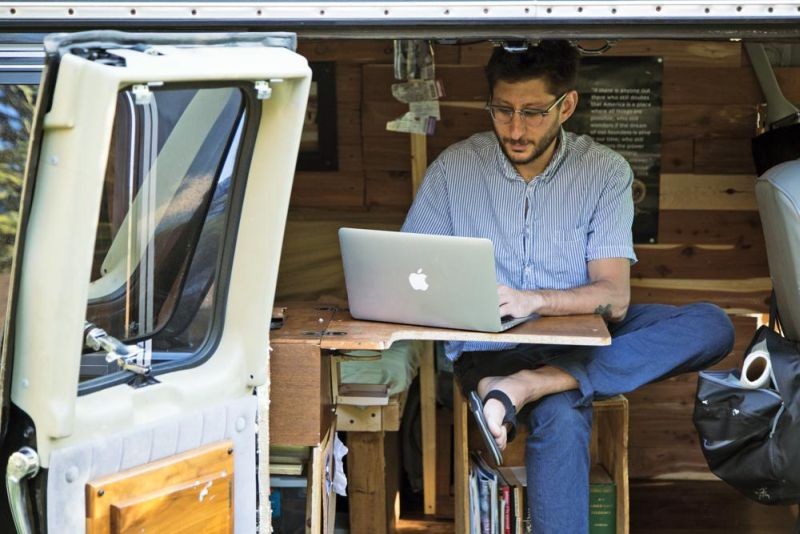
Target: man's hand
<point x="607" y="294"/>
<point x="517" y="303"/>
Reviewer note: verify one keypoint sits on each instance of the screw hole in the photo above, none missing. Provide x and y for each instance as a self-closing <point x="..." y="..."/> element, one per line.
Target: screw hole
<point x="71" y="11"/>
<point x="258" y="12"/>
<point x="13" y="11"/>
<point x="527" y="10"/>
<point x="770" y="10"/>
<point x="739" y="8"/>
<point x="549" y="9"/>
<point x="133" y="11"/>
<point x="385" y="11"/>
<point x="194" y="12"/>
<point x="708" y="10"/>
<point x="446" y="11"/>
<point x="485" y="10"/>
<point x="580" y="10"/>
<point x="321" y="11"/>
<point x="658" y="8"/>
<point x="614" y="11"/>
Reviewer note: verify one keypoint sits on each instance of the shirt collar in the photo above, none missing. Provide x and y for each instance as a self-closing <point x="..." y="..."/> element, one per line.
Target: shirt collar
<point x="510" y="173"/>
<point x="558" y="157"/>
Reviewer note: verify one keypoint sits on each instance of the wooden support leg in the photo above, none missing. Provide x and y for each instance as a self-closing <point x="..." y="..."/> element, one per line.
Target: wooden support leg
<point x="460" y="458"/>
<point x="427" y="381"/>
<point x="419" y="160"/>
<point x="372" y="483"/>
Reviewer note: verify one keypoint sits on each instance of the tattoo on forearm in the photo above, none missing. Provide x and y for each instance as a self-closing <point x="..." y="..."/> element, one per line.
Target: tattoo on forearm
<point x="604" y="311"/>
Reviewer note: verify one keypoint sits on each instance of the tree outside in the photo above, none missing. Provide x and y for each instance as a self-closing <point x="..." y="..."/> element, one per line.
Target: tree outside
<point x="16" y="116"/>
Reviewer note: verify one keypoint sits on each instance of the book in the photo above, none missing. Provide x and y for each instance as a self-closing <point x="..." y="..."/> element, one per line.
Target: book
<point x="519" y="509"/>
<point x="506" y="510"/>
<point x="364" y="394"/>
<point x="288" y="454"/>
<point x="486" y="521"/>
<point x="602" y="502"/>
<point x="474" y="507"/>
<point x="285" y="469"/>
<point x="487" y="489"/>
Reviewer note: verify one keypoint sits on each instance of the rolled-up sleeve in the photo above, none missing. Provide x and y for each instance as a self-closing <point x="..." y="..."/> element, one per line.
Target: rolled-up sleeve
<point x="430" y="212"/>
<point x="609" y="232"/>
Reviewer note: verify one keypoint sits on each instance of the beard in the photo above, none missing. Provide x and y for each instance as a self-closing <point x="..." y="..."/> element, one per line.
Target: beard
<point x="539" y="148"/>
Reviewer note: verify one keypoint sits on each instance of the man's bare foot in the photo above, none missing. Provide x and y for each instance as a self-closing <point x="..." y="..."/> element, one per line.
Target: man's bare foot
<point x="522" y="387"/>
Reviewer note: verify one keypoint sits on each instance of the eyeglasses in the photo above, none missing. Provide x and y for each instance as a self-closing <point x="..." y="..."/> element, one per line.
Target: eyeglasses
<point x="531" y="117"/>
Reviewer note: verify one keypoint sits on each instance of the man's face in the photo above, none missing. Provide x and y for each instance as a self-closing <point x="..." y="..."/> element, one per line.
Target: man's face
<point x="521" y="142"/>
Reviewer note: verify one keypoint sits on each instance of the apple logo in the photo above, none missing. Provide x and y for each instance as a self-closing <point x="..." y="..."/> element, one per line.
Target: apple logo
<point x="417" y="280"/>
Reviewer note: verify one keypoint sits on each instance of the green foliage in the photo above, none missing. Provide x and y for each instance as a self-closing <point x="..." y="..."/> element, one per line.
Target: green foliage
<point x="16" y="116"/>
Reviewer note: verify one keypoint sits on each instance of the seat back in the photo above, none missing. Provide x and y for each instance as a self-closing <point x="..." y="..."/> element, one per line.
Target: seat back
<point x="778" y="194"/>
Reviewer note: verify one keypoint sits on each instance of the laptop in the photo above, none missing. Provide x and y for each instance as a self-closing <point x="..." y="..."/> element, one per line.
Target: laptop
<point x="429" y="280"/>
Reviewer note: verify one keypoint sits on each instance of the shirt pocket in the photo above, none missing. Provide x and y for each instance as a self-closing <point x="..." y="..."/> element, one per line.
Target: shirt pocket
<point x="560" y="258"/>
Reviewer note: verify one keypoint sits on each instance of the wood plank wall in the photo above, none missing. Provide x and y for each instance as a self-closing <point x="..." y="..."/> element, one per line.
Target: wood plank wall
<point x="710" y="245"/>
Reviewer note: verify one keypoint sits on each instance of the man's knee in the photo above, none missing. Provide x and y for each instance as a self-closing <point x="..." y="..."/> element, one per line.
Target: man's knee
<point x="560" y="415"/>
<point x="713" y="325"/>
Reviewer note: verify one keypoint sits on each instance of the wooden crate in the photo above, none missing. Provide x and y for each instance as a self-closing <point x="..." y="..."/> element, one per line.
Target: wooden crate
<point x="609" y="448"/>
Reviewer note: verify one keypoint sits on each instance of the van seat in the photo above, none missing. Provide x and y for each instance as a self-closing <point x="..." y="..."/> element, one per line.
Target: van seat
<point x="778" y="194"/>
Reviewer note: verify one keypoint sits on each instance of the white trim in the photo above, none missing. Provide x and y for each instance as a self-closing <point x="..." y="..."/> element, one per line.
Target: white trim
<point x="400" y="11"/>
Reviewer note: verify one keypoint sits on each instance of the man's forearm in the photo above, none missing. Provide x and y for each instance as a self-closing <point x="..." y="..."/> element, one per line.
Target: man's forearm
<point x="601" y="297"/>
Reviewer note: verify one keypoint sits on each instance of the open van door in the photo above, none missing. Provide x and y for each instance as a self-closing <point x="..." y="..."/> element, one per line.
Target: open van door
<point x="153" y="210"/>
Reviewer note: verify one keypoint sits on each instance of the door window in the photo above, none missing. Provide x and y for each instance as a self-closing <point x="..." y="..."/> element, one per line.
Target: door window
<point x="163" y="219"/>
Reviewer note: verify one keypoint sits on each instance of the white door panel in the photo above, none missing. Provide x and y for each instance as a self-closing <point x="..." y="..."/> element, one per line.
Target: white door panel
<point x="205" y="202"/>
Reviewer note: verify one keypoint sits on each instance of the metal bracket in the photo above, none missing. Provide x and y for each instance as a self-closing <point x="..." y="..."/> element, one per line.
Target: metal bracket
<point x="518" y="47"/>
<point x="98" y="339"/>
<point x="142" y="95"/>
<point x="600" y="50"/>
<point x="264" y="89"/>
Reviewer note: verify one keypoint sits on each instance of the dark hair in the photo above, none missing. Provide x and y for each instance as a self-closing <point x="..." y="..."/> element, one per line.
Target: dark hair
<point x="554" y="61"/>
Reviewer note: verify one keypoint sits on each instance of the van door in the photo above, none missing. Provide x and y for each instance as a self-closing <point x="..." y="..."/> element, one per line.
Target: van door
<point x="151" y="221"/>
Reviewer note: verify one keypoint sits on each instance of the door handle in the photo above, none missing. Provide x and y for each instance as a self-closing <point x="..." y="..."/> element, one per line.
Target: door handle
<point x="21" y="465"/>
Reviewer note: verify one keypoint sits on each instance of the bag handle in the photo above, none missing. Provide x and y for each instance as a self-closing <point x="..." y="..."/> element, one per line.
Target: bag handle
<point x="773" y="310"/>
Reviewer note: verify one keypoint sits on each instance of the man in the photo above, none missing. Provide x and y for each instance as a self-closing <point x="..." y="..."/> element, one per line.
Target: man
<point x="558" y="209"/>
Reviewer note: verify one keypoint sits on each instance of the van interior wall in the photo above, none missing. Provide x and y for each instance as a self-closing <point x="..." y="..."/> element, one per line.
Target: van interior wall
<point x="710" y="245"/>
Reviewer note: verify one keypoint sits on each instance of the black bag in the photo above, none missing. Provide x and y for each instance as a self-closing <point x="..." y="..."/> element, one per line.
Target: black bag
<point x="751" y="437"/>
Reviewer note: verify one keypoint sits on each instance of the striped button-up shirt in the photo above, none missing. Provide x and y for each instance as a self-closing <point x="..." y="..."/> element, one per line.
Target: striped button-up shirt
<point x="544" y="231"/>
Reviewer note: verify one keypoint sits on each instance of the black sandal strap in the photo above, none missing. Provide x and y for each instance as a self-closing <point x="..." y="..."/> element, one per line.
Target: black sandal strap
<point x="510" y="418"/>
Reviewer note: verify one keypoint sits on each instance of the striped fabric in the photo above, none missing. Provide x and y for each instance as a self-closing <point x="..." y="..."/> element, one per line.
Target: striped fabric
<point x="545" y="231"/>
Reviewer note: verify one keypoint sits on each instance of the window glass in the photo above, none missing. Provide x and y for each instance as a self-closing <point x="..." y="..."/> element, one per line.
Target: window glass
<point x="17" y="102"/>
<point x="162" y="221"/>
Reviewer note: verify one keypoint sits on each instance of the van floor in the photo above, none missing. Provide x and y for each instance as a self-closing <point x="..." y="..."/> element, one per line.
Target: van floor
<point x="674" y="507"/>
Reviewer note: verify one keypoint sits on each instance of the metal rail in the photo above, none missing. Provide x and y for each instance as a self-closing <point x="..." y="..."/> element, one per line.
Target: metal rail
<point x="754" y="19"/>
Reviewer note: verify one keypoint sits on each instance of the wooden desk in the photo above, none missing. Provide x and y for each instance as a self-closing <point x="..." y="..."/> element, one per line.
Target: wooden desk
<point x="346" y="333"/>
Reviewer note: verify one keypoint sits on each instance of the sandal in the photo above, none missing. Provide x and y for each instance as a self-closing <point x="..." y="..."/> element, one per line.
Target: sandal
<point x="510" y="420"/>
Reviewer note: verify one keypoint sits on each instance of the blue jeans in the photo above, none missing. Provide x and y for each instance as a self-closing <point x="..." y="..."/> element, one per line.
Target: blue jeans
<point x="653" y="342"/>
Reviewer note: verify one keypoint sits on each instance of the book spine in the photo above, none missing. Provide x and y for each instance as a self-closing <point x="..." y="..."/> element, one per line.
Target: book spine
<point x="486" y="524"/>
<point x="602" y="509"/>
<point x="506" y="510"/>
